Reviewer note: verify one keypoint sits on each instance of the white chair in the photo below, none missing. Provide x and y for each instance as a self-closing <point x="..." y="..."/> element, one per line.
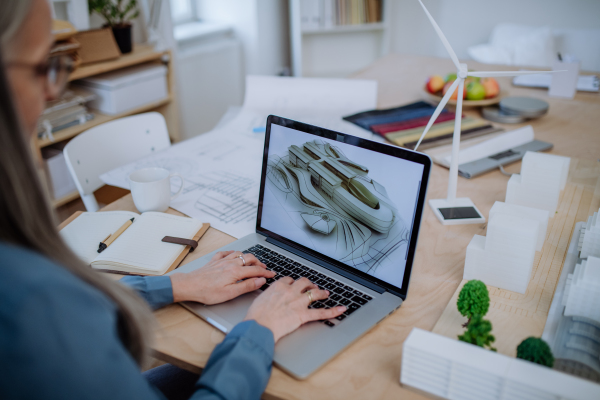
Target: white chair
<point x="110" y="145"/>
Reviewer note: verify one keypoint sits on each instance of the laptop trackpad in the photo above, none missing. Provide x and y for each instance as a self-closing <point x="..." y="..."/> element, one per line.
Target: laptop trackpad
<point x="234" y="311"/>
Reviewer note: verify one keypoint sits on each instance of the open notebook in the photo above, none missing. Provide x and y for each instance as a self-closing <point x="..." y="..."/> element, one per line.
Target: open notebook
<point x="140" y="249"/>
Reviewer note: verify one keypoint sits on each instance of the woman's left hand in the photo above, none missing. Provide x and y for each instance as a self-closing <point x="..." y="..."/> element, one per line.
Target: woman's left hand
<point x="224" y="277"/>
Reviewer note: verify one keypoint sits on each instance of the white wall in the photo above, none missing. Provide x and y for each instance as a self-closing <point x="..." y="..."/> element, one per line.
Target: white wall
<point x="469" y="22"/>
<point x="261" y="25"/>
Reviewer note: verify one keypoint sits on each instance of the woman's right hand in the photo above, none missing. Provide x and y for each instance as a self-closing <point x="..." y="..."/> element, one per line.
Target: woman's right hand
<point x="283" y="307"/>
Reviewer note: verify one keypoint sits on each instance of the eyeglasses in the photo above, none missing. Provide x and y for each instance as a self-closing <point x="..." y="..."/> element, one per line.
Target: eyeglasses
<point x="55" y="70"/>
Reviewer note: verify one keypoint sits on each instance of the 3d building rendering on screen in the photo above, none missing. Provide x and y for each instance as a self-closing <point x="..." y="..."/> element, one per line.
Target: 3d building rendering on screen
<point x="343" y="181"/>
<point x="336" y="205"/>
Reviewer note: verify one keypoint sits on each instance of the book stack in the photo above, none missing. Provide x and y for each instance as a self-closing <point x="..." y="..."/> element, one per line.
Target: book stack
<point x="318" y="14"/>
<point x="69" y="110"/>
<point x="404" y="125"/>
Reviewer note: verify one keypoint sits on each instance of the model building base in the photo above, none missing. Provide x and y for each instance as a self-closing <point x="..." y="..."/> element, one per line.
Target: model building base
<point x="458" y="212"/>
<point x="517" y="316"/>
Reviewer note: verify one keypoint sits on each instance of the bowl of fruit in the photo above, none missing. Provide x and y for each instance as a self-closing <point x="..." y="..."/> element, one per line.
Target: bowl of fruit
<point x="477" y="91"/>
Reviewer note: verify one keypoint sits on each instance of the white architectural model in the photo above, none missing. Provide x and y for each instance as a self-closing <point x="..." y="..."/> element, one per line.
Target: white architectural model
<point x="574" y="339"/>
<point x="451" y="369"/>
<point x="590" y="243"/>
<point x="582" y="291"/>
<point x="503" y="258"/>
<point x="542" y="178"/>
<point x="541" y="216"/>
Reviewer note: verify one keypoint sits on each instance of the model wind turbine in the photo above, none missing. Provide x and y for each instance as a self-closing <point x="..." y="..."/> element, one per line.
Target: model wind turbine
<point x="453" y="211"/>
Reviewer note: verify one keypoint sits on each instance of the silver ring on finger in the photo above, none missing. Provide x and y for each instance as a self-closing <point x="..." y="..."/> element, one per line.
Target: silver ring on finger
<point x="310" y="298"/>
<point x="241" y="257"/>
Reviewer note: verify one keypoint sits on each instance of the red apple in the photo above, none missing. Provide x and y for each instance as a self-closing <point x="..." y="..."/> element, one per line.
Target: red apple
<point x="491" y="87"/>
<point x="455" y="94"/>
<point x="435" y="83"/>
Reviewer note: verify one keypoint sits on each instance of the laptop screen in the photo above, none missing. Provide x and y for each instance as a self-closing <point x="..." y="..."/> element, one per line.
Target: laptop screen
<point x="351" y="204"/>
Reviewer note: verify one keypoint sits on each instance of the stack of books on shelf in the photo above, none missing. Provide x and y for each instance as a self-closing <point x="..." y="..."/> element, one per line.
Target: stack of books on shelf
<point x="68" y="111"/>
<point x="318" y="14"/>
<point x="404" y="125"/>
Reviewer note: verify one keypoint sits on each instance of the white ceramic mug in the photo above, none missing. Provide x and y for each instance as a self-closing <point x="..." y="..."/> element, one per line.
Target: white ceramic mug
<point x="151" y="189"/>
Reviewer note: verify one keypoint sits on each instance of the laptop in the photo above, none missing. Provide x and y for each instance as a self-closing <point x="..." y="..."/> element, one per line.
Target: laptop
<point x="342" y="211"/>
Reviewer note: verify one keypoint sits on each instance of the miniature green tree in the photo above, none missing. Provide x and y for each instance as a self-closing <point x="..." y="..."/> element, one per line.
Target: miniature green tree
<point x="473" y="299"/>
<point x="535" y="350"/>
<point x="478" y="332"/>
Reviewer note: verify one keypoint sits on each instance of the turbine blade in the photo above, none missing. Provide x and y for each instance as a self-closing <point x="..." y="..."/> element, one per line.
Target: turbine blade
<point x="490" y="74"/>
<point x="439" y="109"/>
<point x="442" y="37"/>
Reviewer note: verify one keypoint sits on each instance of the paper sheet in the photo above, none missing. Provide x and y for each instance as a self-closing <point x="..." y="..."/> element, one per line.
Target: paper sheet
<point x="85" y="233"/>
<point x="222" y="168"/>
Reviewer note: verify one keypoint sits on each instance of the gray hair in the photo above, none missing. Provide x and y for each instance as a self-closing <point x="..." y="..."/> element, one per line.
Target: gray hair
<point x="27" y="220"/>
<point x="12" y="16"/>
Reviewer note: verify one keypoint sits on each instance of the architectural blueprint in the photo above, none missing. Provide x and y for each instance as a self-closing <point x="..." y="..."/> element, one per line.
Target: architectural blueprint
<point x="221" y="180"/>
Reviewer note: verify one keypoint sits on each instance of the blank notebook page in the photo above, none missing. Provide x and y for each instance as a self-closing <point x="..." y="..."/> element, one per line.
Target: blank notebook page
<point x="141" y="245"/>
<point x="85" y="233"/>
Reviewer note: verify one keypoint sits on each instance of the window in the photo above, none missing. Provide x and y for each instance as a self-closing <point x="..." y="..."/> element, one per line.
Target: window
<point x="183" y="11"/>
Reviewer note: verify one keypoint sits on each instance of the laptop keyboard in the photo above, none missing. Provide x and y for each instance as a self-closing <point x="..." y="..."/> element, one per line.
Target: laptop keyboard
<point x="339" y="293"/>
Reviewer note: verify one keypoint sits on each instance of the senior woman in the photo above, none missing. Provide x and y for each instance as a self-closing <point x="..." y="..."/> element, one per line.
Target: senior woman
<point x="67" y="332"/>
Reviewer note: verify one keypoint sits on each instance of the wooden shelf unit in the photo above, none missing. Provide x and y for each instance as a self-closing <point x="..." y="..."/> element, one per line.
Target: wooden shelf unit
<point x="141" y="54"/>
<point x="99" y="119"/>
<point x="336" y="51"/>
<point x="374" y="26"/>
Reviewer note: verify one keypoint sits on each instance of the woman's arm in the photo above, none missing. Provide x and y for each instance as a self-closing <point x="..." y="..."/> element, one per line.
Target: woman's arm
<point x="223" y="278"/>
<point x="239" y="367"/>
<point x="156" y="290"/>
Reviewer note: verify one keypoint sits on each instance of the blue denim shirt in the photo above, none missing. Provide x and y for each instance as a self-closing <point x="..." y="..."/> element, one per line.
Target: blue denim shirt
<point x="59" y="339"/>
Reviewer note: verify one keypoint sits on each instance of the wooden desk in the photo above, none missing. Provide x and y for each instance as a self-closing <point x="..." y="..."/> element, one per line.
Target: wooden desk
<point x="370" y="368"/>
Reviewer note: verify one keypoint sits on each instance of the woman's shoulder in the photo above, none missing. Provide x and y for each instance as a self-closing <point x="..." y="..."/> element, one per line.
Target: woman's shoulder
<point x="26" y="274"/>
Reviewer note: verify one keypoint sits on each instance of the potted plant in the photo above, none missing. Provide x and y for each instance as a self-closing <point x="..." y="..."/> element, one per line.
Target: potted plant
<point x="118" y="15"/>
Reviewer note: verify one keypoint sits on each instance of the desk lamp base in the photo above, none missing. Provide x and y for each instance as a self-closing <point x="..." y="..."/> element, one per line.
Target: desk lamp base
<point x="458" y="212"/>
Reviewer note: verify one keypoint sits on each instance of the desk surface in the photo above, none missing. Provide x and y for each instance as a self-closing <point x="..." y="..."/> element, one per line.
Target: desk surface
<point x="370" y="368"/>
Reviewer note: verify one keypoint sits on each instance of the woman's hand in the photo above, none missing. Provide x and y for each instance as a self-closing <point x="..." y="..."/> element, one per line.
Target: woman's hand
<point x="283" y="307"/>
<point x="223" y="278"/>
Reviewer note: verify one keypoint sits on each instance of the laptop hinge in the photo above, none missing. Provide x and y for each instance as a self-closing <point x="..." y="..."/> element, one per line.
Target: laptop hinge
<point x="324" y="264"/>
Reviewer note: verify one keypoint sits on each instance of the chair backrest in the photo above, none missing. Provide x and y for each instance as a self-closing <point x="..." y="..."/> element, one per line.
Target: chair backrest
<point x="110" y="145"/>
